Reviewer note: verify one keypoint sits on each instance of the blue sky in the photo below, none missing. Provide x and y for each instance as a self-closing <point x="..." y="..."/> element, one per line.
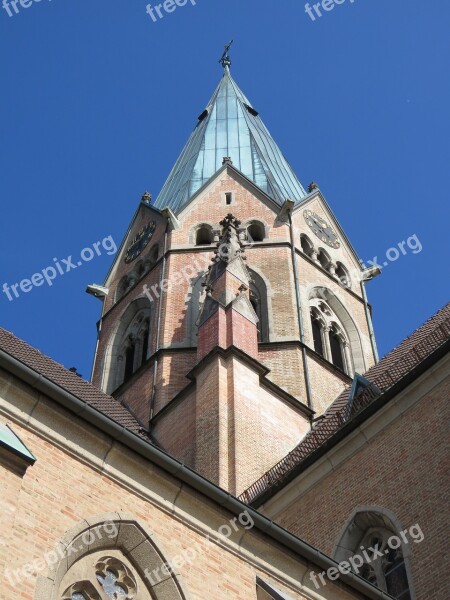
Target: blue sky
<point x="97" y="101"/>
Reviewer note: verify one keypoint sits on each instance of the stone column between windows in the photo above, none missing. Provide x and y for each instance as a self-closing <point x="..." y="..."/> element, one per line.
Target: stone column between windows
<point x="348" y="358"/>
<point x="327" y="345"/>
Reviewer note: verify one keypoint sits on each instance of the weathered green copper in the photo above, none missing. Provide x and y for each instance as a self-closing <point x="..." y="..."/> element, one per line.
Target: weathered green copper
<point x="10" y="441"/>
<point x="229" y="127"/>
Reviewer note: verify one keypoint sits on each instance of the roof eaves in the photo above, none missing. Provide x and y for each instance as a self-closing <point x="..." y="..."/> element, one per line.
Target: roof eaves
<point x="342" y="433"/>
<point x="183" y="473"/>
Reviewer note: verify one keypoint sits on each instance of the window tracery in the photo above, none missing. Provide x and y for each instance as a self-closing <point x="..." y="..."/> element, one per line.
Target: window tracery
<point x="82" y="590"/>
<point x="135" y="346"/>
<point x="387" y="572"/>
<point x="328" y="336"/>
<point x="116" y="579"/>
<point x="109" y="579"/>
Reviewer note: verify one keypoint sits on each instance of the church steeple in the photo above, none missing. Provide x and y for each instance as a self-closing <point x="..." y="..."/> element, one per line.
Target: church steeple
<point x="230" y="127"/>
<point x="276" y="332"/>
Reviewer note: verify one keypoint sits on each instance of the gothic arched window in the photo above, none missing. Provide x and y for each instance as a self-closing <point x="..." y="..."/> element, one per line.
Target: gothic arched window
<point x="318" y="332"/>
<point x="259" y="302"/>
<point x="255" y="301"/>
<point x="387" y="572"/>
<point x="324" y="259"/>
<point x="343" y="275"/>
<point x="373" y="536"/>
<point x="130" y="353"/>
<point x="122" y="288"/>
<point x="130" y="346"/>
<point x="151" y="258"/>
<point x="135" y="348"/>
<point x="337" y="342"/>
<point x="328" y="337"/>
<point x="342" y="343"/>
<point x="107" y="565"/>
<point x="204" y="235"/>
<point x="256" y="232"/>
<point x="306" y="245"/>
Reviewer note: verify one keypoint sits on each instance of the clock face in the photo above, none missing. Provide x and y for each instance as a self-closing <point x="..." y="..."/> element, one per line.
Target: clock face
<point x="322" y="229"/>
<point x="140" y="242"/>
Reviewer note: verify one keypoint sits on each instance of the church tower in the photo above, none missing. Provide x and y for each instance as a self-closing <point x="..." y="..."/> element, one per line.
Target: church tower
<point x="235" y="310"/>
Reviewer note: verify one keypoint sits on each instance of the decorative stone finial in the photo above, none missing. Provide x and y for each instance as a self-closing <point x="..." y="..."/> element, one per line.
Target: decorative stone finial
<point x="312" y="186"/>
<point x="227" y="160"/>
<point x="229" y="246"/>
<point x="146" y="198"/>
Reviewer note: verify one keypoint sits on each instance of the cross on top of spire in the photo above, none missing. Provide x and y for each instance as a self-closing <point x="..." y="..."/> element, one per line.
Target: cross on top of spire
<point x="225" y="60"/>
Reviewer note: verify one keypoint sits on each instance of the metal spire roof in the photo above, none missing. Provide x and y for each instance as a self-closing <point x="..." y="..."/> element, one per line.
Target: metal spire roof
<point x="229" y="127"/>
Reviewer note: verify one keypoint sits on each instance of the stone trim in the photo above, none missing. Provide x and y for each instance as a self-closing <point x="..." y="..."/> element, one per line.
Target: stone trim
<point x="344" y="546"/>
<point x="132" y="538"/>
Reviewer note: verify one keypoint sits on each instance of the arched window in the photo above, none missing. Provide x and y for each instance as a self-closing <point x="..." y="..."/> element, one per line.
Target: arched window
<point x="255" y="301"/>
<point x="129" y="347"/>
<point x="151" y="258"/>
<point x="122" y="288"/>
<point x="114" y="560"/>
<point x="145" y="342"/>
<point x="318" y="332"/>
<point x="324" y="259"/>
<point x="343" y="275"/>
<point x="140" y="269"/>
<point x="328" y="335"/>
<point x="204" y="235"/>
<point x="341" y="340"/>
<point x="130" y="355"/>
<point x="373" y="536"/>
<point x="259" y="301"/>
<point x="134" y="351"/>
<point x="256" y="232"/>
<point x="337" y="348"/>
<point x="389" y="571"/>
<point x="307" y="245"/>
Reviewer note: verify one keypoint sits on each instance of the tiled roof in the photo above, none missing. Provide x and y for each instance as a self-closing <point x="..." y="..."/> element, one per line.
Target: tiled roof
<point x="398" y="363"/>
<point x="67" y="380"/>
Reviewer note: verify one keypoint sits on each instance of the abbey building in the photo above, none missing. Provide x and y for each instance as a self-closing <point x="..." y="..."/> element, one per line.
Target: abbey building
<point x="240" y="437"/>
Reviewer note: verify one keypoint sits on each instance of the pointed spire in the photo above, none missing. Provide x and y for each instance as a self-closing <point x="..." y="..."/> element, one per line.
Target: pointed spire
<point x="229" y="127"/>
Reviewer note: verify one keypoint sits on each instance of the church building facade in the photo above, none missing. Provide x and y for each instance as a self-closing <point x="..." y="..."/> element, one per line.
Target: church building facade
<point x="240" y="437"/>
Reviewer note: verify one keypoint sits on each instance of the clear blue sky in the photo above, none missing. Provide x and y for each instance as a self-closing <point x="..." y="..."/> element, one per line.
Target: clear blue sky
<point x="97" y="100"/>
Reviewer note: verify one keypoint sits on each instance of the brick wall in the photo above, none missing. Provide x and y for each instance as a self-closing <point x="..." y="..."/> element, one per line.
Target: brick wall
<point x="404" y="469"/>
<point x="81" y="473"/>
